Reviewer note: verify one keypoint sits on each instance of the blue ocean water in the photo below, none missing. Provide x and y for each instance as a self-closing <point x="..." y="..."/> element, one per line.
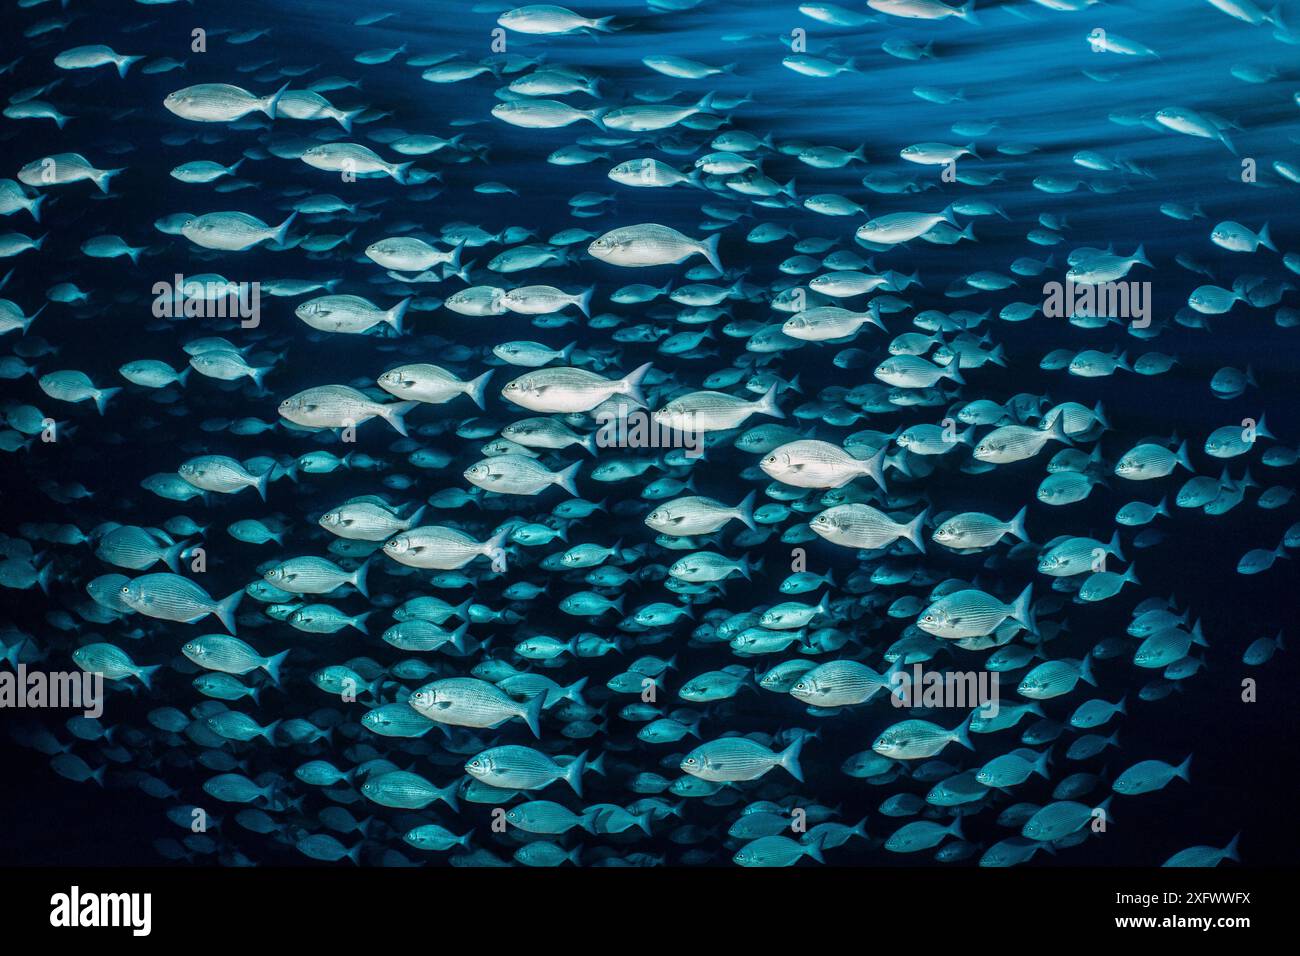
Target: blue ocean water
<point x="1021" y="67"/>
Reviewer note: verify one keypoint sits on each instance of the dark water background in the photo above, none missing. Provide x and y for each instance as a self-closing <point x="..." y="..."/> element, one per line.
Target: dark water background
<point x="1023" y="71"/>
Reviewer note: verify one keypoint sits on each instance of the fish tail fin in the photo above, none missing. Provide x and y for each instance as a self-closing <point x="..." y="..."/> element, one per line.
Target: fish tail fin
<point x="767" y="404"/>
<point x="1265" y="240"/>
<point x="272" y="103"/>
<point x="790" y="758"/>
<point x="745" y="511"/>
<point x="1113" y="546"/>
<point x="44" y="577"/>
<point x="476" y="388"/>
<point x="272" y="667"/>
<point x="461" y="610"/>
<point x="915" y="530"/>
<point x="146" y="675"/>
<point x="532" y="714"/>
<point x="573" y="772"/>
<point x="102" y="396"/>
<point x="395" y="315"/>
<point x="967" y="12"/>
<point x="1018" y="525"/>
<point x="447" y="795"/>
<point x="281" y="232"/>
<point x="952" y="371"/>
<point x="1230" y="851"/>
<point x="567" y="479"/>
<point x="962" y="732"/>
<point x="414" y="520"/>
<point x="225" y="610"/>
<point x="359" y="622"/>
<point x="402" y="172"/>
<point x="458" y="637"/>
<point x="345" y="118"/>
<point x="574" y="691"/>
<point x="814" y="850"/>
<point x="949" y="216"/>
<point x="1085" y="670"/>
<point x="1042" y="764"/>
<point x="359" y="577"/>
<point x="1184" y="769"/>
<point x="102" y="177"/>
<point x="1022" y="609"/>
<point x="1140" y="256"/>
<point x="263" y="481"/>
<point x="631" y="385"/>
<point x="124" y="64"/>
<point x="710" y="251"/>
<point x="1261" y="429"/>
<point x="1057" y="430"/>
<point x="172" y="556"/>
<point x="395" y="415"/>
<point x="1181" y="458"/>
<point x="874" y="468"/>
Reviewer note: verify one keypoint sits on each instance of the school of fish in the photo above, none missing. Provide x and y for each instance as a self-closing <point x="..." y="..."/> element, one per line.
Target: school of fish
<point x="614" y="535"/>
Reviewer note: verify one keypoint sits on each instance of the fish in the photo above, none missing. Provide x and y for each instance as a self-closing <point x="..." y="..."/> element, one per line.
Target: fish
<point x="651" y="244"/>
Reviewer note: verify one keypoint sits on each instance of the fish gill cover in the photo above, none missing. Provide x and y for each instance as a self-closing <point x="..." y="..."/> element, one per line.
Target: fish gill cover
<point x="673" y="433"/>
